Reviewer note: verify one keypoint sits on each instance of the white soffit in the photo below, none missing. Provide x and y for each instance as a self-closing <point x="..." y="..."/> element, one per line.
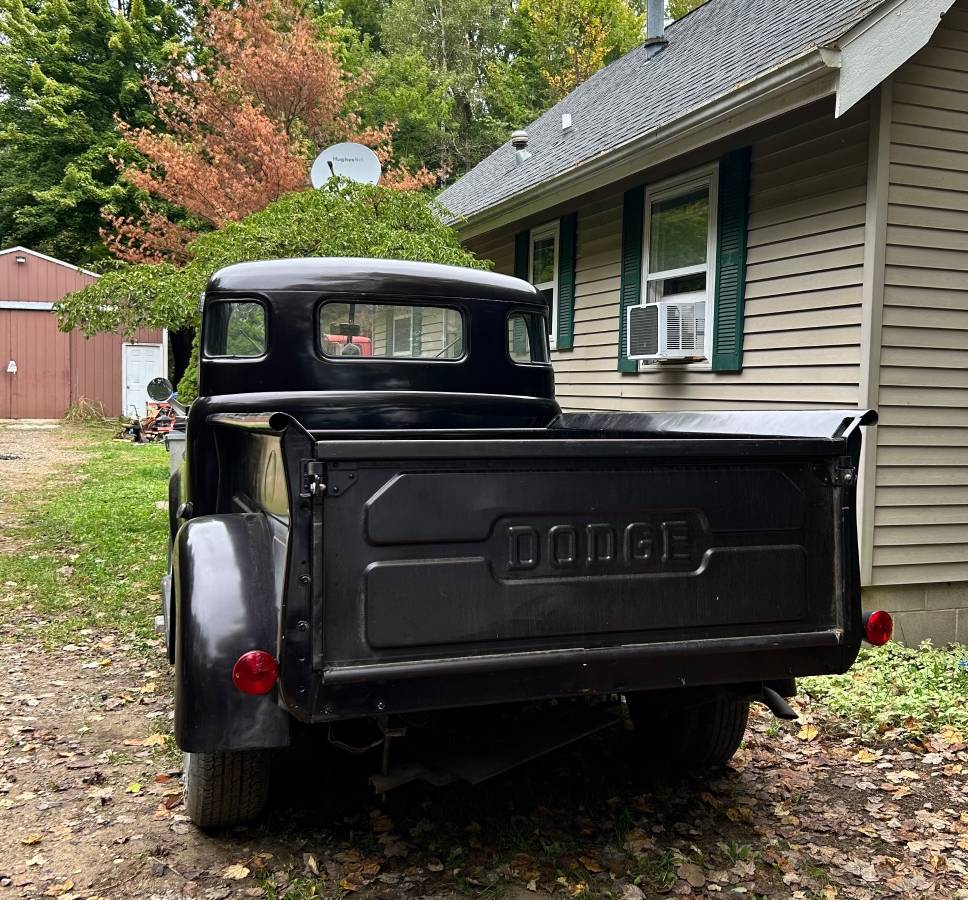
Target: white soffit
<point x="876" y="47"/>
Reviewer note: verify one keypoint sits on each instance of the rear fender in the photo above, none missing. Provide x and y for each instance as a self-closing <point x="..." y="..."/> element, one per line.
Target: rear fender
<point x="226" y="604"/>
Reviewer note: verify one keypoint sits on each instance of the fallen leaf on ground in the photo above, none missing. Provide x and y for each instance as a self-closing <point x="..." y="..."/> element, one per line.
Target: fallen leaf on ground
<point x="235" y="872"/>
<point x="55" y="890"/>
<point x="692" y="874"/>
<point x="865" y="756"/>
<point x="638" y="842"/>
<point x="156" y="740"/>
<point x="133" y="788"/>
<point x="592" y="864"/>
<point x="31" y="839"/>
<point x="808" y="732"/>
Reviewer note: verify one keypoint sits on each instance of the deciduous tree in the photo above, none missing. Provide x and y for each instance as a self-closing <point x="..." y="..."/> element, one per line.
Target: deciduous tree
<point x="676" y="9"/>
<point x="569" y="40"/>
<point x="459" y="39"/>
<point x="239" y="130"/>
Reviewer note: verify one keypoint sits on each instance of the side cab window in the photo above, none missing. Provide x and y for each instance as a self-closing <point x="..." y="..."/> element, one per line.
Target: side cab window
<point x="235" y="329"/>
<point x="527" y="338"/>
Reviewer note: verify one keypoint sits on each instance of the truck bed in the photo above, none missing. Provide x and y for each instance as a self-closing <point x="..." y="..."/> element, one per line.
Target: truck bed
<point x="603" y="553"/>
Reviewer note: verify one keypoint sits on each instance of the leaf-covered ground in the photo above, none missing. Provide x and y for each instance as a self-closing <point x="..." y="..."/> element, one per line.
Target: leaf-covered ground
<point x="866" y="796"/>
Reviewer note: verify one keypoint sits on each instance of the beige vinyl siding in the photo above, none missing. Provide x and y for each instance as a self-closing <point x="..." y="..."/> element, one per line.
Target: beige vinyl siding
<point x="431" y="337"/>
<point x="498" y="247"/>
<point x="803" y="293"/>
<point x="921" y="494"/>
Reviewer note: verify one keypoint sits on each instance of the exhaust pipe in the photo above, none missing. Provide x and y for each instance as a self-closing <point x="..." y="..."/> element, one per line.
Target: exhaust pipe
<point x="777" y="704"/>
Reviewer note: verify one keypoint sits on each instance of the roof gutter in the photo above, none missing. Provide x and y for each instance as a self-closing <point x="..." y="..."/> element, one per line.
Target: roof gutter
<point x="808" y="77"/>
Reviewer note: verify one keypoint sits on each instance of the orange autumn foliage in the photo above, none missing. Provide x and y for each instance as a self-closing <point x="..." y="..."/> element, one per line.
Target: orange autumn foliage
<point x="240" y="131"/>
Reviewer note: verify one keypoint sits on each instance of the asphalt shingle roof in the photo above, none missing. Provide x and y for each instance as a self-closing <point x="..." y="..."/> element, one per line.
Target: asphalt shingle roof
<point x="711" y="51"/>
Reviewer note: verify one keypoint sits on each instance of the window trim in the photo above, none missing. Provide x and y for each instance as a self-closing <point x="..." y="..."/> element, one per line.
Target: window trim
<point x="394" y="318"/>
<point x="206" y="324"/>
<point x="542" y="232"/>
<point x="664" y="190"/>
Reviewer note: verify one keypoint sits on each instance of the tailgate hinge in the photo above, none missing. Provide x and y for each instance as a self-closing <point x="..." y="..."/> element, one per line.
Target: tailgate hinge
<point x="312" y="479"/>
<point x="844" y="472"/>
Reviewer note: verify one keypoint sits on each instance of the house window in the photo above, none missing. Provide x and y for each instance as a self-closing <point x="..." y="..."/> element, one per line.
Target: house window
<point x="543" y="269"/>
<point x="402" y="331"/>
<point x="680" y="249"/>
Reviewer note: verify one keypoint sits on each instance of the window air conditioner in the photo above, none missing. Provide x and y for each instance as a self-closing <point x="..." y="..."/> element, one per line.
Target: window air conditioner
<point x="667" y="330"/>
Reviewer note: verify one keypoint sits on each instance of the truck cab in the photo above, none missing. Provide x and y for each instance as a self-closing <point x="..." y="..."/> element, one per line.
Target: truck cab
<point x="383" y="511"/>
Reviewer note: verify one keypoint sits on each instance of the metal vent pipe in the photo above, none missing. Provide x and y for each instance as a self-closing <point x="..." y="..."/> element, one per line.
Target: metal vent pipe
<point x="655" y="38"/>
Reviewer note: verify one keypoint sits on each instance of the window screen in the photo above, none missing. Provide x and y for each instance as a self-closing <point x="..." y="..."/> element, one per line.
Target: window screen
<point x="235" y="328"/>
<point x="527" y="338"/>
<point x="390" y="331"/>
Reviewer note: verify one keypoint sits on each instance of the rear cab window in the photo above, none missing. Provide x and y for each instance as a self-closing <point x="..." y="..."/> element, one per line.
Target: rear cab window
<point x="349" y="330"/>
<point x="235" y="329"/>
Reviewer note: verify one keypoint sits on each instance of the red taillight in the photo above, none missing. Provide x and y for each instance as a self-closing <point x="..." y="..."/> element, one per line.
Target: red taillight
<point x="878" y="628"/>
<point x="255" y="672"/>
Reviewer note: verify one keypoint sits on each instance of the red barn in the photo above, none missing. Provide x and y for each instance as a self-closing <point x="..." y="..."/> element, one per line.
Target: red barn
<point x="44" y="371"/>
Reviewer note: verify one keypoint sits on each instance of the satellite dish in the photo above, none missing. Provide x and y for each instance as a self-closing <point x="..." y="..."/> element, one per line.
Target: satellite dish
<point x="347" y="160"/>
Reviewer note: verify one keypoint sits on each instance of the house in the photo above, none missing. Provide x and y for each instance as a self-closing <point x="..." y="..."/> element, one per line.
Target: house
<point x="44" y="371"/>
<point x="785" y="184"/>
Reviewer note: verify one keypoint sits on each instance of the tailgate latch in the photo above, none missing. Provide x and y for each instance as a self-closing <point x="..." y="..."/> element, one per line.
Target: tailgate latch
<point x="312" y="479"/>
<point x="844" y="472"/>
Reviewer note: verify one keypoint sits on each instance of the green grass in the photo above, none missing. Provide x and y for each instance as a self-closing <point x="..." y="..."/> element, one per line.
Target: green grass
<point x="106" y="529"/>
<point x="916" y="689"/>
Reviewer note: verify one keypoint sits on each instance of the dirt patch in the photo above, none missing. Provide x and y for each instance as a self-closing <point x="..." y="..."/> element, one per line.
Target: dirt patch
<point x="91" y="799"/>
<point x="32" y="455"/>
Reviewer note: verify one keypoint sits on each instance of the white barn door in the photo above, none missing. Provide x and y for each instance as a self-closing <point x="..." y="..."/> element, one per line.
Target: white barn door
<point x="139" y="364"/>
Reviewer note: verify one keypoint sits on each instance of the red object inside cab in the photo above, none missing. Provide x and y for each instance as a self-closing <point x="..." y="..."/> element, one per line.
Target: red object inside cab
<point x="333" y="346"/>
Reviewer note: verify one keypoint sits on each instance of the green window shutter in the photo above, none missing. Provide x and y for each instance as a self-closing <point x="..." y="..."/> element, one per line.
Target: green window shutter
<point x="567" y="251"/>
<point x="522" y="254"/>
<point x="734" y="193"/>
<point x="633" y="212"/>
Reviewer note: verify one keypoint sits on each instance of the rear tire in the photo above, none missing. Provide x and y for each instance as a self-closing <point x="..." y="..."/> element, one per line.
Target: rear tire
<point x="690" y="729"/>
<point x="229" y="788"/>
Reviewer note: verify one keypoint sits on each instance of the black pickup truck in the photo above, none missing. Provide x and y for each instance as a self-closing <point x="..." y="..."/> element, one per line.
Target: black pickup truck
<point x="382" y="511"/>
